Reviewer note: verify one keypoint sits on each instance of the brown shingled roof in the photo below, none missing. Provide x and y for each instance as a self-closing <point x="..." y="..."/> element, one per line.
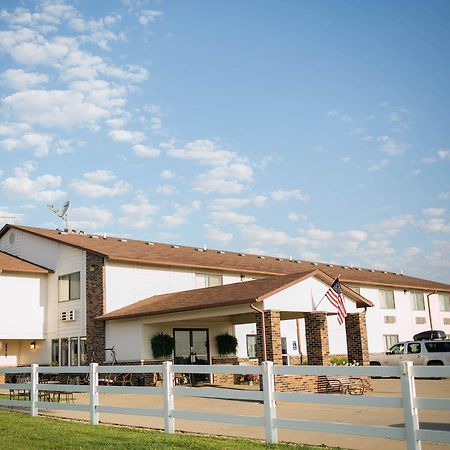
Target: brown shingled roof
<point x="9" y="263"/>
<point x="165" y="255"/>
<point x="226" y="295"/>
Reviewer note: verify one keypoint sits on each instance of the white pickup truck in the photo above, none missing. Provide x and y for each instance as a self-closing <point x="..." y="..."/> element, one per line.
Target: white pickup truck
<point x="421" y="353"/>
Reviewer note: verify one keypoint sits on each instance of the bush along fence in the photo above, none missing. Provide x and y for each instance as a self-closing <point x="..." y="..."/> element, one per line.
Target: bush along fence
<point x="36" y="384"/>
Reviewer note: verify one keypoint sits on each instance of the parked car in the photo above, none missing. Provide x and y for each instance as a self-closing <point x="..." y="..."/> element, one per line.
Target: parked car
<point x="421" y="353"/>
<point x="430" y="335"/>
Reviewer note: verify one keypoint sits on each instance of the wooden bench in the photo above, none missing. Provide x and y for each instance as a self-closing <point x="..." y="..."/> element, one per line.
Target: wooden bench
<point x="344" y="385"/>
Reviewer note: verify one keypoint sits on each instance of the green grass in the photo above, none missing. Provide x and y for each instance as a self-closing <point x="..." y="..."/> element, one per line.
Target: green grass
<point x="20" y="432"/>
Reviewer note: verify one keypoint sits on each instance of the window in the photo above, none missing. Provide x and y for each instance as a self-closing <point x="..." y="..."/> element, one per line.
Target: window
<point x="203" y="280"/>
<point x="251" y="345"/>
<point x="74" y="351"/>
<point x="397" y="349"/>
<point x="390" y="319"/>
<point x="444" y="301"/>
<point x="387" y="299"/>
<point x="64" y="352"/>
<point x="69" y="287"/>
<point x="390" y="340"/>
<point x="421" y="320"/>
<point x="418" y="302"/>
<point x="438" y="346"/>
<point x="413" y="347"/>
<point x="284" y="355"/>
<point x="83" y="352"/>
<point x="446" y="320"/>
<point x="55" y="352"/>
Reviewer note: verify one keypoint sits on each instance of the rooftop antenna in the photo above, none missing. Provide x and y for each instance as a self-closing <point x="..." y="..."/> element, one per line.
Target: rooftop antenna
<point x="61" y="212"/>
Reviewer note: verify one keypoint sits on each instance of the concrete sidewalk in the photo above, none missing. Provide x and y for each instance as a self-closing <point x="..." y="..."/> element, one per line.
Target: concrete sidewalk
<point x="431" y="419"/>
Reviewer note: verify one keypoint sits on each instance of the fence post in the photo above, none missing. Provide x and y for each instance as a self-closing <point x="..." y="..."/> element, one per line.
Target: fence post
<point x="409" y="405"/>
<point x="34" y="395"/>
<point x="93" y="393"/>
<point x="169" y="421"/>
<point x="270" y="412"/>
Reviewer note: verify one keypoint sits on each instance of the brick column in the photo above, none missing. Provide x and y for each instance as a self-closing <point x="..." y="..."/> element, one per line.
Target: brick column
<point x="95" y="306"/>
<point x="317" y="345"/>
<point x="273" y="337"/>
<point x="357" y="346"/>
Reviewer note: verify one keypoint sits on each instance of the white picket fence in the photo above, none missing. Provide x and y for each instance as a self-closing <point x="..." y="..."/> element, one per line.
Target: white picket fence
<point x="409" y="402"/>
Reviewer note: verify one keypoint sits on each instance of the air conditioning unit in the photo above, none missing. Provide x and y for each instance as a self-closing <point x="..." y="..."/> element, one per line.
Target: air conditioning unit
<point x="67" y="316"/>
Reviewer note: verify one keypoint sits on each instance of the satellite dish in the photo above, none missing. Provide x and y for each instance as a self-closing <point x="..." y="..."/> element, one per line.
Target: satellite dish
<point x="61" y="212"/>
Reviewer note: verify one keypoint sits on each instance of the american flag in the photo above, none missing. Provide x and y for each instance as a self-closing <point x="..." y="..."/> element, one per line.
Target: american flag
<point x="336" y="297"/>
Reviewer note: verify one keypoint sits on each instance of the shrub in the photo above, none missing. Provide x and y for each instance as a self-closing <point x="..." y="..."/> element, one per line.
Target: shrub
<point x="226" y="344"/>
<point x="338" y="361"/>
<point x="162" y="345"/>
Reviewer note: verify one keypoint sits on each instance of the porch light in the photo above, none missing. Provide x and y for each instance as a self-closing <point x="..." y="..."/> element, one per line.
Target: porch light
<point x="33" y="345"/>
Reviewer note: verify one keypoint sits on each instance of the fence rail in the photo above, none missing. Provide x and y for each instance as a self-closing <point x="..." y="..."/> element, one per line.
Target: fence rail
<point x="408" y="401"/>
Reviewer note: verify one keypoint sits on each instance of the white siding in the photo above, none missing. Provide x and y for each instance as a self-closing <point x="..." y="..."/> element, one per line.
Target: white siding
<point x="23" y="305"/>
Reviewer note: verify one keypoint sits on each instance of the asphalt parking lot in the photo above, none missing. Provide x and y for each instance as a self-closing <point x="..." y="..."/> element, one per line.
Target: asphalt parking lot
<point x="431" y="419"/>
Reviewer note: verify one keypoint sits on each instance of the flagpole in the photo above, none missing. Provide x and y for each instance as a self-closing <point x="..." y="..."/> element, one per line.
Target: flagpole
<point x="324" y="295"/>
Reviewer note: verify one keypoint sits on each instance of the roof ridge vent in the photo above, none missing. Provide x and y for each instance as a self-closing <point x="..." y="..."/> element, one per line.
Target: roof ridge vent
<point x="93" y="236"/>
<point x="175" y="246"/>
<point x="123" y="240"/>
<point x="200" y="249"/>
<point x="221" y="252"/>
<point x="279" y="259"/>
<point x="241" y="254"/>
<point x="150" y="243"/>
<point x="290" y="258"/>
<point x="261" y="257"/>
<point x="315" y="264"/>
<point x="297" y="261"/>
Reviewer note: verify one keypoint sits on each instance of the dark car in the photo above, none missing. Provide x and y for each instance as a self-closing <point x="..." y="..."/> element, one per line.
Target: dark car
<point x="430" y="335"/>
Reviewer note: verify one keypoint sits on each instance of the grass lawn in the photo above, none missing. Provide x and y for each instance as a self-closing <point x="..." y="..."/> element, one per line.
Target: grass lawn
<point x="21" y="431"/>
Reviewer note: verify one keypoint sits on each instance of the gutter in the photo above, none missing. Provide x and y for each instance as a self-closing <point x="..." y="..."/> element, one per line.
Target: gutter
<point x="263" y="324"/>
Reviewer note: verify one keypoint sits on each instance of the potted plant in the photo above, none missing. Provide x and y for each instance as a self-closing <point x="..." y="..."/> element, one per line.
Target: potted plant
<point x="226" y="344"/>
<point x="162" y="345"/>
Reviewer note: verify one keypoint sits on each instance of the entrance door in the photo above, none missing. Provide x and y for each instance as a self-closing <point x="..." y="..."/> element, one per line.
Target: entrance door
<point x="192" y="347"/>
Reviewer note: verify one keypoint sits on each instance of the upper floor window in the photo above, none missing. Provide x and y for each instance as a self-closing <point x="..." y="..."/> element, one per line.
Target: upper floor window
<point x="203" y="280"/>
<point x="387" y="299"/>
<point x="69" y="286"/>
<point x="444" y="301"/>
<point x="417" y="301"/>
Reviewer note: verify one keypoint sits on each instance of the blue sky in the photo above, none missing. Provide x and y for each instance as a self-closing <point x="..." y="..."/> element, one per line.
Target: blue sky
<point x="317" y="130"/>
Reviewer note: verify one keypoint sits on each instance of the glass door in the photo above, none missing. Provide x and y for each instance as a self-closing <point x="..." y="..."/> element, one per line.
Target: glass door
<point x="192" y="347"/>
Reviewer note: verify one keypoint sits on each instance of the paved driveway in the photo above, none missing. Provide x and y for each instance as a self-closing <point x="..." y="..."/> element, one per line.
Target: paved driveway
<point x="439" y="420"/>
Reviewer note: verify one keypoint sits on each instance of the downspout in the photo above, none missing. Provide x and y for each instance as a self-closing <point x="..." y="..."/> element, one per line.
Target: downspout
<point x="429" y="310"/>
<point x="298" y="341"/>
<point x="263" y="324"/>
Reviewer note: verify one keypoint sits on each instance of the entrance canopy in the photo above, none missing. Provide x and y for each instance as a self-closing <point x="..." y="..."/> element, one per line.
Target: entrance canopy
<point x="293" y="295"/>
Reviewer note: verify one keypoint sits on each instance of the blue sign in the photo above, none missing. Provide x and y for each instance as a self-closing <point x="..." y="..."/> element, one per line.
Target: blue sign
<point x="294" y="345"/>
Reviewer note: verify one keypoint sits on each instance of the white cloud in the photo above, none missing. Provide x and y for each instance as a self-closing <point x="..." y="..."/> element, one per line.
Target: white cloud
<point x="342" y="117"/>
<point x="231" y="217"/>
<point x="444" y="154"/>
<point x="435" y="225"/>
<point x="43" y="188"/>
<point x="57" y="108"/>
<point x="179" y="217"/>
<point x="282" y="196"/>
<point x="38" y="142"/>
<point x="166" y="189"/>
<point x="213" y="234"/>
<point x="233" y="203"/>
<point x="167" y="175"/>
<point x="20" y="80"/>
<point x="433" y="211"/>
<point x="139" y="214"/>
<point x="93" y="218"/>
<point x="443" y="195"/>
<point x="145" y="151"/>
<point x="147" y="16"/>
<point x="391" y="147"/>
<point x="132" y="137"/>
<point x="90" y="186"/>
<point x="294" y="217"/>
<point x="99" y="176"/>
<point x="374" y="167"/>
<point x="393" y="225"/>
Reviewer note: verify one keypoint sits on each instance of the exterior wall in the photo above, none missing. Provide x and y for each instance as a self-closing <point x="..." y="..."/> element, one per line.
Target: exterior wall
<point x="129" y="283"/>
<point x="23" y="304"/>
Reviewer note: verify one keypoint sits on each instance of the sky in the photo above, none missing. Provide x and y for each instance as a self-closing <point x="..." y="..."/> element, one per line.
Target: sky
<point x="313" y="130"/>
